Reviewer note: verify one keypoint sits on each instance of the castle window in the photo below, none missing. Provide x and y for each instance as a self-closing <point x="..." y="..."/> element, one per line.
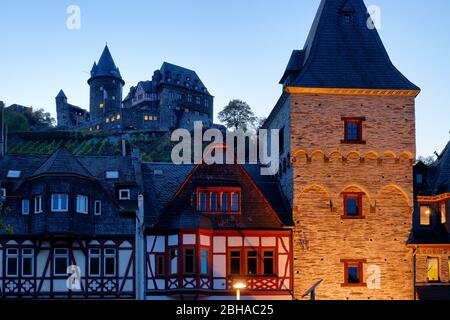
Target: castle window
<point x="60" y="202"/>
<point x="97" y="207"/>
<point x="12" y="262"/>
<point x="352" y="206"/>
<point x="206" y="102"/>
<point x="82" y="204"/>
<point x="94" y="262"/>
<point x="425" y="215"/>
<point x="97" y="127"/>
<point x="101" y="106"/>
<point x="432" y="269"/>
<point x="443" y="209"/>
<point x="3" y="193"/>
<point x="353" y="130"/>
<point x="189" y="260"/>
<point x="109" y="262"/>
<point x="118" y="117"/>
<point x="124" y="194"/>
<point x="27" y="262"/>
<point x="38" y="204"/>
<point x="353" y="273"/>
<point x="198" y="100"/>
<point x="25" y="207"/>
<point x="189" y="97"/>
<point x="60" y="262"/>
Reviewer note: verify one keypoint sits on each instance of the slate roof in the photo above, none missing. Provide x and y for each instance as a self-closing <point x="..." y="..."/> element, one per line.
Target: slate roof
<point x="61" y="94"/>
<point x="171" y="73"/>
<point x="338" y="54"/>
<point x="105" y="67"/>
<point x="62" y="162"/>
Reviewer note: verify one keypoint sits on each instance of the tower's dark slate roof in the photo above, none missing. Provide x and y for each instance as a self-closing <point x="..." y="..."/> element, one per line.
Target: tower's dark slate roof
<point x="62" y="162"/>
<point x="61" y="94"/>
<point x="105" y="66"/>
<point x="340" y="54"/>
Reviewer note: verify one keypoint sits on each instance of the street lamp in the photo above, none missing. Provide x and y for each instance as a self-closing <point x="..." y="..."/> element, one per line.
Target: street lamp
<point x="239" y="285"/>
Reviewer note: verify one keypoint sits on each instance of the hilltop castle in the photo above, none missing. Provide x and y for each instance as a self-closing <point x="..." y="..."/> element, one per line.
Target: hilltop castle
<point x="174" y="98"/>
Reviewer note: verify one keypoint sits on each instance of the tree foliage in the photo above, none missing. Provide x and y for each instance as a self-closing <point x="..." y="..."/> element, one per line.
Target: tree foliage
<point x="16" y="122"/>
<point x="237" y="115"/>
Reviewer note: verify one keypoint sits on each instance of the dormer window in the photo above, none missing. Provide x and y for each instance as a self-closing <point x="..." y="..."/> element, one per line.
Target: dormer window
<point x="348" y="17"/>
<point x="124" y="194"/>
<point x="216" y="200"/>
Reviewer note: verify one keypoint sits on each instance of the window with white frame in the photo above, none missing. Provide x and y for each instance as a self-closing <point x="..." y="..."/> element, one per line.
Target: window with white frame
<point x="94" y="262"/>
<point x="38" y="204"/>
<point x="60" y="262"/>
<point x="25" y="207"/>
<point x="98" y="207"/>
<point x="124" y="194"/>
<point x="12" y="262"/>
<point x="82" y="204"/>
<point x="60" y="202"/>
<point x="109" y="262"/>
<point x="27" y="262"/>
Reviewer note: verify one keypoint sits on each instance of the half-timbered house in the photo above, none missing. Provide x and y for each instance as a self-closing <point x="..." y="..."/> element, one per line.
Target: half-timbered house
<point x="65" y="219"/>
<point x="215" y="226"/>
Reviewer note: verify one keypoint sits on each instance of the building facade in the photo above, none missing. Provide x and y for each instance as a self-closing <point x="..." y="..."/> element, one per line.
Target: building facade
<point x="174" y="98"/>
<point x="348" y="147"/>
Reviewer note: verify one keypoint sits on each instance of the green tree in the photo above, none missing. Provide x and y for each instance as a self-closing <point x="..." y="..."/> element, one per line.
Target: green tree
<point x="40" y="120"/>
<point x="16" y="122"/>
<point x="237" y="115"/>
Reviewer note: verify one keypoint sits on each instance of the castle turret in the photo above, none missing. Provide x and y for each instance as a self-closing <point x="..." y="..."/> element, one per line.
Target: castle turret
<point x="61" y="109"/>
<point x="106" y="86"/>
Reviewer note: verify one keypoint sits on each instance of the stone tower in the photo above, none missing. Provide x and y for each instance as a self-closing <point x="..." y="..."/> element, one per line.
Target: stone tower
<point x="349" y="122"/>
<point x="106" y="86"/>
<point x="61" y="109"/>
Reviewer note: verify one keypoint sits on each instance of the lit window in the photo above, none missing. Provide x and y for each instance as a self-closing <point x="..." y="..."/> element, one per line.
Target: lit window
<point x="124" y="194"/>
<point x="12" y="262"/>
<point x="118" y="117"/>
<point x="27" y="262"/>
<point x="38" y="204"/>
<point x="110" y="262"/>
<point x="204" y="261"/>
<point x="352" y="205"/>
<point x="432" y="269"/>
<point x="60" y="262"/>
<point x="146" y="118"/>
<point x="14" y="174"/>
<point x="25" y="207"/>
<point x="82" y="204"/>
<point x="97" y="127"/>
<point x="173" y="261"/>
<point x="189" y="261"/>
<point x="425" y="215"/>
<point x="443" y="207"/>
<point x="107" y="120"/>
<point x="94" y="262"/>
<point x="101" y="105"/>
<point x="60" y="202"/>
<point x="112" y="174"/>
<point x="98" y="207"/>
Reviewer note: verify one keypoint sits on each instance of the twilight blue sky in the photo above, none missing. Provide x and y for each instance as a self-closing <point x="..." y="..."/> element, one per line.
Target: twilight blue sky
<point x="238" y="48"/>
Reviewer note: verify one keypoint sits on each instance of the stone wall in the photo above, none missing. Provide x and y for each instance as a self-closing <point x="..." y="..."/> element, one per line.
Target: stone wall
<point x="380" y="169"/>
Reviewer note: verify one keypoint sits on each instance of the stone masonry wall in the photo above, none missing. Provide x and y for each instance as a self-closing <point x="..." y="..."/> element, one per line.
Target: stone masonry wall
<point x="381" y="169"/>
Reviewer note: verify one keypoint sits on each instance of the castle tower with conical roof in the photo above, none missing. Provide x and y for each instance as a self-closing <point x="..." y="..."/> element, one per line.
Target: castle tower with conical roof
<point x="106" y="85"/>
